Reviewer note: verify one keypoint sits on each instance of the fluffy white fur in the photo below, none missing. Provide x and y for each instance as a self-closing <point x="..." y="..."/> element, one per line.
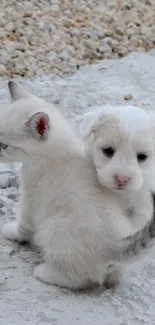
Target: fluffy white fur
<point x="129" y="131"/>
<point x="64" y="210"/>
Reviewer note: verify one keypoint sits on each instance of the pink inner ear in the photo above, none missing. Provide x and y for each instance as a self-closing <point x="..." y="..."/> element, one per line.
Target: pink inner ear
<point x="41" y="125"/>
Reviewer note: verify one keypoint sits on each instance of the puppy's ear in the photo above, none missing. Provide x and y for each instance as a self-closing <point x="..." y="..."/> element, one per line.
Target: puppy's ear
<point x="90" y="123"/>
<point x="39" y="125"/>
<point x="16" y="92"/>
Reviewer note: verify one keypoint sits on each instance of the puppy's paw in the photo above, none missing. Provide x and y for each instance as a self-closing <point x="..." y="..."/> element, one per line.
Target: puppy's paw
<point x="12" y="232"/>
<point x="42" y="272"/>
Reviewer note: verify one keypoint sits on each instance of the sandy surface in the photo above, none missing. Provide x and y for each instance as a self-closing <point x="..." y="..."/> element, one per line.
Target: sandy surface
<point x="25" y="300"/>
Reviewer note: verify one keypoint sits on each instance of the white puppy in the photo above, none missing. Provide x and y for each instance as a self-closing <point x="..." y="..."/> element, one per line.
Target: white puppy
<point x="76" y="223"/>
<point x="121" y="142"/>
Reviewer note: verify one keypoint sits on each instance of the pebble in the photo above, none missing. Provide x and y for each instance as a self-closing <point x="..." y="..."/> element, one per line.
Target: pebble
<point x="45" y="37"/>
<point x="105" y="49"/>
<point x="128" y="97"/>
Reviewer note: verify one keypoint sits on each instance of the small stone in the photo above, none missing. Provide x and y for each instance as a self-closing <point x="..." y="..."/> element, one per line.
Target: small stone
<point x="106" y="55"/>
<point x="122" y="50"/>
<point x="12" y="46"/>
<point x="108" y="32"/>
<point x="89" y="54"/>
<point x="13" y="37"/>
<point x="74" y="32"/>
<point x="27" y="14"/>
<point x="120" y="30"/>
<point x="105" y="49"/>
<point x="113" y="43"/>
<point x="90" y="44"/>
<point x="69" y="22"/>
<point x="10" y="27"/>
<point x="128" y="97"/>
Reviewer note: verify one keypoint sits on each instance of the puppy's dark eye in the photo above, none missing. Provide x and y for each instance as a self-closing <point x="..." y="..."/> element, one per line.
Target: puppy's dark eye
<point x="3" y="146"/>
<point x="141" y="157"/>
<point x="109" y="151"/>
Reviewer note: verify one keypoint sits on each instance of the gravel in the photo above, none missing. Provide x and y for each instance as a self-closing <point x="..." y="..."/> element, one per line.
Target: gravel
<point x="58" y="36"/>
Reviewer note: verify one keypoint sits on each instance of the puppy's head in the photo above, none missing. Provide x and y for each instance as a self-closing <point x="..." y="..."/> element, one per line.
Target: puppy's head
<point x="122" y="147"/>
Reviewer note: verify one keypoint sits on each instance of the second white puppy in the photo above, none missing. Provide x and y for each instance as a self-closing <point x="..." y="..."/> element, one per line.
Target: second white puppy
<point x="120" y="154"/>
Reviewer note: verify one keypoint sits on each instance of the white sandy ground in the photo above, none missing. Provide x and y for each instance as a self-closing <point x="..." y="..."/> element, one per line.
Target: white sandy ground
<point x="23" y="299"/>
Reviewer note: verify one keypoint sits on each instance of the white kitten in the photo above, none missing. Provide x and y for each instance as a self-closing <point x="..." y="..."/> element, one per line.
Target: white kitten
<point x="122" y="148"/>
<point x="64" y="211"/>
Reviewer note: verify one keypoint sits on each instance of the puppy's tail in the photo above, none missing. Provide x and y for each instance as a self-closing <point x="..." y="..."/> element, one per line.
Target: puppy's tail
<point x="135" y="245"/>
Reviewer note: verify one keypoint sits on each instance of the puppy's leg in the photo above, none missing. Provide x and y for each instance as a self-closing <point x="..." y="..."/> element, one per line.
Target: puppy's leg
<point x="21" y="228"/>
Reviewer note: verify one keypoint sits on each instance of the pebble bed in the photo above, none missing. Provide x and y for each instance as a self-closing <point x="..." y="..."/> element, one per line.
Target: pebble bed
<point x="58" y="36"/>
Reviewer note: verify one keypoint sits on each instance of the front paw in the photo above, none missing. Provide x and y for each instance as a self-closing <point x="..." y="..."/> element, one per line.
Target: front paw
<point x="12" y="232"/>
